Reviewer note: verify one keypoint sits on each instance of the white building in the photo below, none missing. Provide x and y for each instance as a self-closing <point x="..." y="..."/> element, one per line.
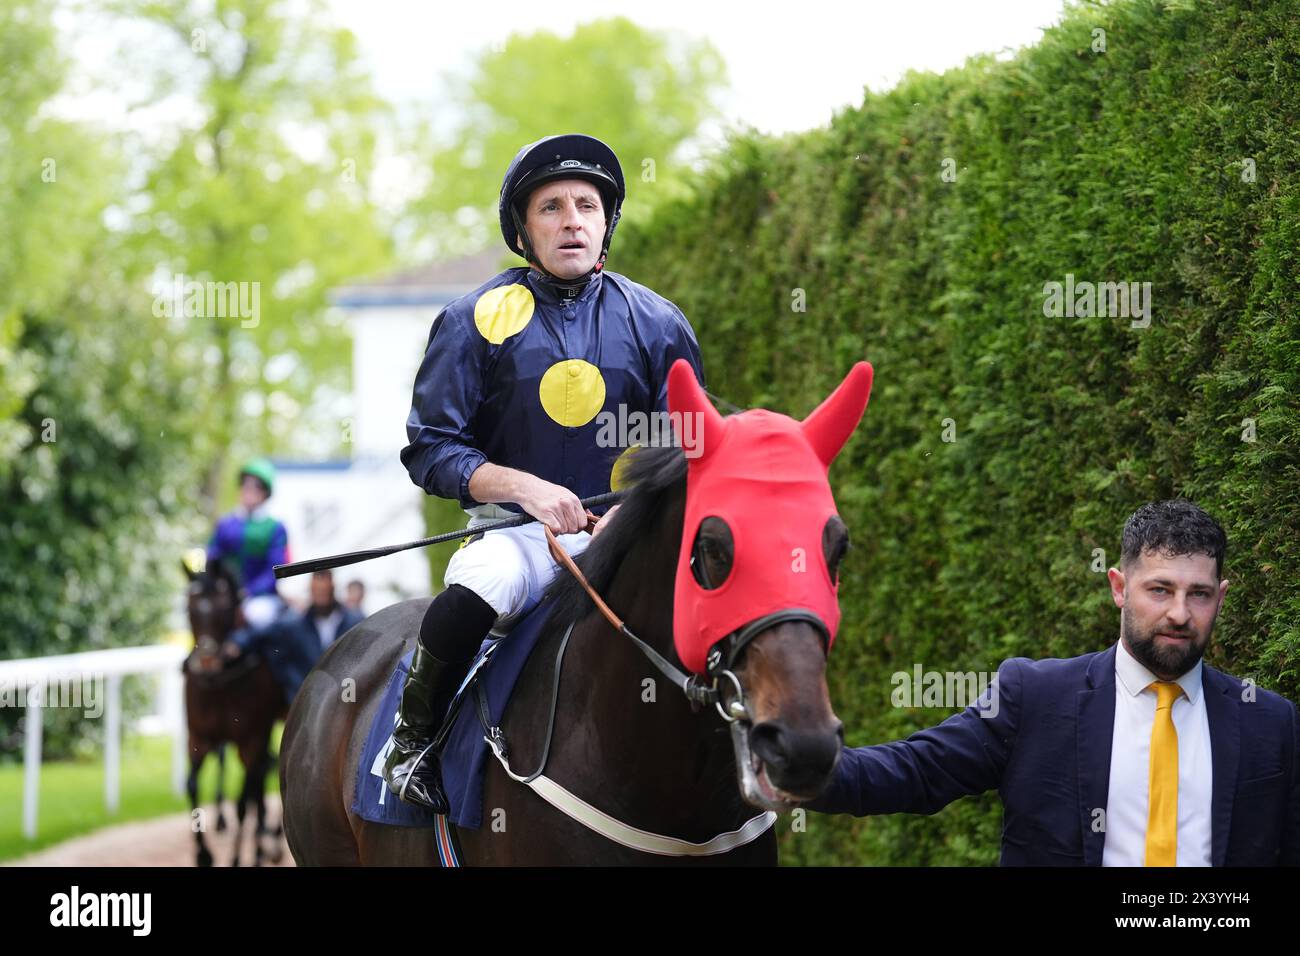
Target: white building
<point x="331" y="507"/>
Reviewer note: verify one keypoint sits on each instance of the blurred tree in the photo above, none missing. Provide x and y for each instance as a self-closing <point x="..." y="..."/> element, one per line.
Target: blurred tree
<point x="45" y="219"/>
<point x="96" y="422"/>
<point x="265" y="182"/>
<point x="645" y="93"/>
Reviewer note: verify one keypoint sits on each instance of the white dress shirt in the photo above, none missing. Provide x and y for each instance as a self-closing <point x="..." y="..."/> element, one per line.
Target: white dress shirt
<point x="1130" y="766"/>
<point x="327" y="628"/>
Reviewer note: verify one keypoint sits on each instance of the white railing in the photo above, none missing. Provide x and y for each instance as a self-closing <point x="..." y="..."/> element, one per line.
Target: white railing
<point x="37" y="679"/>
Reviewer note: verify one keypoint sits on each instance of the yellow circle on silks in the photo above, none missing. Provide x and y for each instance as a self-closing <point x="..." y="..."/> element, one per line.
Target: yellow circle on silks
<point x="501" y="312"/>
<point x="572" y="392"/>
<point x="618" y="473"/>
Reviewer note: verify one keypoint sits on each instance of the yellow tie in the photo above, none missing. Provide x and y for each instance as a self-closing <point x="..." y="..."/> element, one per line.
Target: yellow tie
<point x="1162" y="806"/>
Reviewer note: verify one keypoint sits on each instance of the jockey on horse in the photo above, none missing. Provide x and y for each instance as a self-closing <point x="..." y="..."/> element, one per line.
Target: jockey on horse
<point x="251" y="543"/>
<point x="504" y="416"/>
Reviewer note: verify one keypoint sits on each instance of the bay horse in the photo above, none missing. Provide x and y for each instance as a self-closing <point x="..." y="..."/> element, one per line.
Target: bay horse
<point x="591" y="707"/>
<point x="228" y="702"/>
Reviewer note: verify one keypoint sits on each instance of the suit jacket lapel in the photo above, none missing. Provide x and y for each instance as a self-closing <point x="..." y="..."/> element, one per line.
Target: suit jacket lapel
<point x="1225" y="754"/>
<point x="1094" y="731"/>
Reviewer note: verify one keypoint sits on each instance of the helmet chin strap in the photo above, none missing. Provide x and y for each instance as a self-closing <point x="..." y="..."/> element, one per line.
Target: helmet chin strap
<point x="567" y="288"/>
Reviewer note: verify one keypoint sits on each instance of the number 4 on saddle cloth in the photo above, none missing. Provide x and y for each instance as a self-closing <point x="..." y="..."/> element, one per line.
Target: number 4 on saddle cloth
<point x="465" y="753"/>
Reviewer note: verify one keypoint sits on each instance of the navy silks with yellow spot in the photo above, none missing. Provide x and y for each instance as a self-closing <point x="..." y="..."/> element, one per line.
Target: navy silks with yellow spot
<point x="516" y="375"/>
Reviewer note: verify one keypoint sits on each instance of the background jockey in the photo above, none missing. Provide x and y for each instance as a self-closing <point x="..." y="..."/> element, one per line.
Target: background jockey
<point x="504" y="415"/>
<point x="252" y="543"/>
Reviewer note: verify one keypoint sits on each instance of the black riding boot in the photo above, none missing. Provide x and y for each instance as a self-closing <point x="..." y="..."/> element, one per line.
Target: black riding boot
<point x="454" y="626"/>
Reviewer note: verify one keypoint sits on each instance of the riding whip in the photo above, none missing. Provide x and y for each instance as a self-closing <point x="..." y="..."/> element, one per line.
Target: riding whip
<point x="356" y="557"/>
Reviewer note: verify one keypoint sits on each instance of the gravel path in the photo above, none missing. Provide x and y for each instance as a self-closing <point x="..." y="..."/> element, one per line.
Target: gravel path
<point x="162" y="841"/>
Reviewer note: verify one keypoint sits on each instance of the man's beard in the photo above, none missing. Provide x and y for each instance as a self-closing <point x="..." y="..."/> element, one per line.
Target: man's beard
<point x="1162" y="658"/>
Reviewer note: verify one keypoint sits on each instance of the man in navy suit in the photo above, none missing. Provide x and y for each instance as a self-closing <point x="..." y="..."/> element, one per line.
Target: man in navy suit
<point x="1137" y="755"/>
<point x="303" y="638"/>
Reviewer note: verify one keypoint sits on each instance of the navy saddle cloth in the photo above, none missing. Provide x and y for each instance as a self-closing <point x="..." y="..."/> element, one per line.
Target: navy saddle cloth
<point x="465" y="754"/>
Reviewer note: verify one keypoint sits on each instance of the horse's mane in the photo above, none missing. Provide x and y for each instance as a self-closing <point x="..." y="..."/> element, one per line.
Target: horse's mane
<point x="653" y="473"/>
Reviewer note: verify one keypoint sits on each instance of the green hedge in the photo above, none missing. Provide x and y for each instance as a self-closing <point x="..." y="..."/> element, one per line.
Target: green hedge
<point x="1122" y="165"/>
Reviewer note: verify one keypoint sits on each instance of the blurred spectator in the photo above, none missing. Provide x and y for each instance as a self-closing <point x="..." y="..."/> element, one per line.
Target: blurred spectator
<point x="356" y="596"/>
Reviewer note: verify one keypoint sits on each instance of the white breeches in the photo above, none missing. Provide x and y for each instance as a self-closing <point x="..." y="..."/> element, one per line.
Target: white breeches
<point x="510" y="568"/>
<point x="261" y="610"/>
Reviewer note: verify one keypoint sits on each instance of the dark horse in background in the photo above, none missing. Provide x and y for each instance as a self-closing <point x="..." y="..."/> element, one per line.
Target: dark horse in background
<point x="228" y="702"/>
<point x="663" y="766"/>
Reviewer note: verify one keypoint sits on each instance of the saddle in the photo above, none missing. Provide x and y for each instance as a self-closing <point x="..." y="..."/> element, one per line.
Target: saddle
<point x="478" y="706"/>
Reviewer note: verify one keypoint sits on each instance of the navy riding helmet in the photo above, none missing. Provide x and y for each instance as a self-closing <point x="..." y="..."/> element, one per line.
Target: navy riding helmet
<point x="568" y="156"/>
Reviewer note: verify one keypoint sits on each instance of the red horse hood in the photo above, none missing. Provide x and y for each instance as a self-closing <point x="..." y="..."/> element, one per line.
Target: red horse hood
<point x="764" y="474"/>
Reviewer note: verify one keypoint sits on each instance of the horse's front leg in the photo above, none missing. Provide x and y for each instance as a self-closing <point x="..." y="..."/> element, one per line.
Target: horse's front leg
<point x="221" y="786"/>
<point x="199" y="751"/>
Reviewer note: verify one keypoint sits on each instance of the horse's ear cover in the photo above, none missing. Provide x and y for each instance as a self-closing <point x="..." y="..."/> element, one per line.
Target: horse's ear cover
<point x="764" y="474"/>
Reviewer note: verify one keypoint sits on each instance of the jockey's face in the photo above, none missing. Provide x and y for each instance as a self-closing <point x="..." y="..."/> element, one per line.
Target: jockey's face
<point x="566" y="224"/>
<point x="251" y="492"/>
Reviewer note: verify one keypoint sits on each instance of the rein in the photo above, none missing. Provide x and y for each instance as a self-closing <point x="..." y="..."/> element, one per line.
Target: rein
<point x="697" y="692"/>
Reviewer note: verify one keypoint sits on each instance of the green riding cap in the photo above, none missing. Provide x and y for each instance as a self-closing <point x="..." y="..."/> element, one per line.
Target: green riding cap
<point x="262" y="470"/>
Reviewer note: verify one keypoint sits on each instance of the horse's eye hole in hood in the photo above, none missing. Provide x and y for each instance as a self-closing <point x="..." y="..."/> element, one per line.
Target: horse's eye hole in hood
<point x="835" y="544"/>
<point x="712" y="554"/>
